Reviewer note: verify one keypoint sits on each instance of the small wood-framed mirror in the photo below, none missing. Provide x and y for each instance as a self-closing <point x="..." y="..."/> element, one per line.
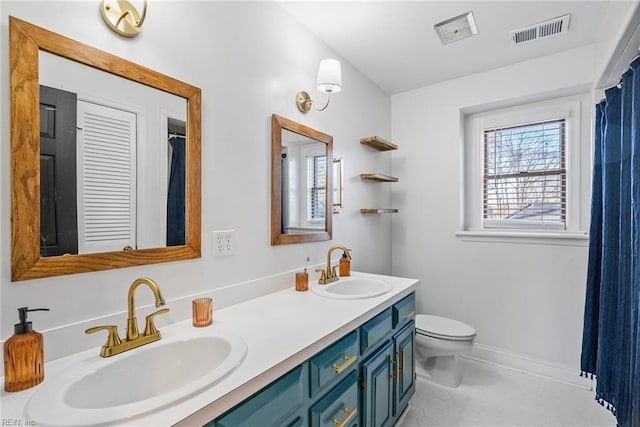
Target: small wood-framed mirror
<point x="301" y="183"/>
<point x="29" y="47"/>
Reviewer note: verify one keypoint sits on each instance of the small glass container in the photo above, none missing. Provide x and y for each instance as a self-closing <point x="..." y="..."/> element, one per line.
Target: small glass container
<point x="302" y="281"/>
<point x="202" y="313"/>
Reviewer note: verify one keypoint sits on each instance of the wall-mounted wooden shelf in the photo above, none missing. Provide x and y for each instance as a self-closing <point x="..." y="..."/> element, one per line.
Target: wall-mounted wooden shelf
<point x="378" y="211"/>
<point x="378" y="143"/>
<point x="378" y="177"/>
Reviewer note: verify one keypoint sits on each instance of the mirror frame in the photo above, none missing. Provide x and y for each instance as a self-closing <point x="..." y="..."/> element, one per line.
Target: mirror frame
<point x="279" y="123"/>
<point x="26" y="40"/>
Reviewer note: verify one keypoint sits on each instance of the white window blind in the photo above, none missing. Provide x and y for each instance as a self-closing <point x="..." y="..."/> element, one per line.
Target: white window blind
<point x="524" y="179"/>
<point x="106" y="178"/>
<point x="317" y="194"/>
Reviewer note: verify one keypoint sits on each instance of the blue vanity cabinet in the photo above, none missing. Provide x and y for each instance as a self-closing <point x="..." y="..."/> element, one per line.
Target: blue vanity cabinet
<point x="365" y="378"/>
<point x="278" y="404"/>
<point x="387" y="371"/>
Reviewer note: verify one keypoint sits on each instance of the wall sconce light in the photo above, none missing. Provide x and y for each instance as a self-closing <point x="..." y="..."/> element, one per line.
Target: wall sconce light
<point x="329" y="81"/>
<point x="122" y="17"/>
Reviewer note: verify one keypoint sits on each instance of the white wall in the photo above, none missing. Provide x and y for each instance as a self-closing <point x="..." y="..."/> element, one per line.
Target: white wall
<point x="525" y="299"/>
<point x="249" y="59"/>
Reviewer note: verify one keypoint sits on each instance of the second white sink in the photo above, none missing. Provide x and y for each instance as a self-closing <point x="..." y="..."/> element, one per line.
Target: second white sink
<point x="105" y="390"/>
<point x="353" y="288"/>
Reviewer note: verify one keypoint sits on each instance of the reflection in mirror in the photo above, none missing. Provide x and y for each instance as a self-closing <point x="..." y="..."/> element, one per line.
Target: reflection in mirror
<point x="304" y="179"/>
<point x="95" y="194"/>
<point x="300" y="200"/>
<point x="338" y="184"/>
<point x="105" y="159"/>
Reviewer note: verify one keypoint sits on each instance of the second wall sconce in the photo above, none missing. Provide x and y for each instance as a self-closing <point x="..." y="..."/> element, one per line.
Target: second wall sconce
<point x="329" y="81"/>
<point x="122" y="17"/>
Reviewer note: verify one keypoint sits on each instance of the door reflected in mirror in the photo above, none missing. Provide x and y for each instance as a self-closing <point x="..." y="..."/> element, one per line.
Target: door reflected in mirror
<point x="300" y="202"/>
<point x="112" y="161"/>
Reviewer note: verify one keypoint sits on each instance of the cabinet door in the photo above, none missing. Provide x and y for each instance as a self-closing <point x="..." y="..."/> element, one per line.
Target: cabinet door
<point x="405" y="385"/>
<point x="375" y="331"/>
<point x="339" y="407"/>
<point x="377" y="394"/>
<point x="278" y="404"/>
<point x="333" y="363"/>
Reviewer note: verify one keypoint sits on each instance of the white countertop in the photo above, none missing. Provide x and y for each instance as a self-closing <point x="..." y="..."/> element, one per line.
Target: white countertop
<point x="281" y="330"/>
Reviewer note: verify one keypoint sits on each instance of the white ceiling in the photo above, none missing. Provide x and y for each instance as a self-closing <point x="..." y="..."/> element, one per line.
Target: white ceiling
<point x="395" y="45"/>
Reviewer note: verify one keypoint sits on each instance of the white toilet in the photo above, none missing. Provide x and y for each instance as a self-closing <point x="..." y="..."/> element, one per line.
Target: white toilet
<point x="438" y="341"/>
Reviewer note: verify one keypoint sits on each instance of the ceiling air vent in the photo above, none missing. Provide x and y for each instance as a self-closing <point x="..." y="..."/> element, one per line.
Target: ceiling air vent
<point x="540" y="30"/>
<point x="456" y="28"/>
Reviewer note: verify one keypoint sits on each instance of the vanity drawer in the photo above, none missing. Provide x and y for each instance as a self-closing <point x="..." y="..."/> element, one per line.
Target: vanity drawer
<point x="333" y="363"/>
<point x="274" y="405"/>
<point x="404" y="310"/>
<point x="375" y="330"/>
<point x="340" y="404"/>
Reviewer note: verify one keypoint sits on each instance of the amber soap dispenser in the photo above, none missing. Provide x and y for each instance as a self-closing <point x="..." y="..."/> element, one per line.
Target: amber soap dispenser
<point x="24" y="355"/>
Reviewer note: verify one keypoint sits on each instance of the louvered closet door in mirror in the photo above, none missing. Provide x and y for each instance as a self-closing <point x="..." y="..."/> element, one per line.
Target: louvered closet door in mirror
<point x="106" y="178"/>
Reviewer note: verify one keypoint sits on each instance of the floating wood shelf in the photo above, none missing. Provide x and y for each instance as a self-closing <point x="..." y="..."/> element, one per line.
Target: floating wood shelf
<point x="378" y="143"/>
<point x="378" y="177"/>
<point x="378" y="211"/>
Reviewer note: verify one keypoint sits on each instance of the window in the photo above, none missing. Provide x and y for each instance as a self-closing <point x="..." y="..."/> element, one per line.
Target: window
<point x="524" y="176"/>
<point x="525" y="172"/>
<point x="317" y="187"/>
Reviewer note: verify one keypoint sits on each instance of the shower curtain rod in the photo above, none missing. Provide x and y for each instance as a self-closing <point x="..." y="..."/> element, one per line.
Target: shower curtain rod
<point x="619" y="84"/>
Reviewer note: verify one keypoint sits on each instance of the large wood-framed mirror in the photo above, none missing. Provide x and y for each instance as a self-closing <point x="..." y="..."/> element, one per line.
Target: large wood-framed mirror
<point x="32" y="50"/>
<point x="301" y="183"/>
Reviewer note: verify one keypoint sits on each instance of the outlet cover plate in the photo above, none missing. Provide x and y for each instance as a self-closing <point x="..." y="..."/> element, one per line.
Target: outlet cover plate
<point x="223" y="242"/>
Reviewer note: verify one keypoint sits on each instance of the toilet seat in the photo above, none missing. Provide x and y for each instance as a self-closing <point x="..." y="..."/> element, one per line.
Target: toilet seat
<point x="443" y="328"/>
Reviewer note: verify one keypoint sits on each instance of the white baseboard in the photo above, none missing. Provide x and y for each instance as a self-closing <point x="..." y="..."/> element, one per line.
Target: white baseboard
<point x="529" y="365"/>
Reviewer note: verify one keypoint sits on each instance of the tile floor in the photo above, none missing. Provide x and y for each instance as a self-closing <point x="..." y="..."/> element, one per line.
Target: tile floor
<point x="494" y="396"/>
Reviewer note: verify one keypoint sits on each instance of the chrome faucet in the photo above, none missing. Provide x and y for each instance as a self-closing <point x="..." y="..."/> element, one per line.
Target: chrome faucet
<point x="114" y="344"/>
<point x="329" y="275"/>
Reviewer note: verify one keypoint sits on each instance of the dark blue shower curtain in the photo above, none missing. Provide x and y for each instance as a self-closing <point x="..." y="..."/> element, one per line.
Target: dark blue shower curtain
<point x="611" y="334"/>
<point x="176" y="194"/>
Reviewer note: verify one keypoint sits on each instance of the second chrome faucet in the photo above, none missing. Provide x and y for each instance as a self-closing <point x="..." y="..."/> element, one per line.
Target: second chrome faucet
<point x="133" y="339"/>
<point x="329" y="275"/>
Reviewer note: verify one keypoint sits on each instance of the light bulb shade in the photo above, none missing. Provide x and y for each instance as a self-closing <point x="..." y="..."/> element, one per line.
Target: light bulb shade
<point x="329" y="76"/>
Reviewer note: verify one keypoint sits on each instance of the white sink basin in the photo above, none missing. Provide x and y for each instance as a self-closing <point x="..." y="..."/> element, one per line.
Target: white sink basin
<point x="353" y="288"/>
<point x="105" y="390"/>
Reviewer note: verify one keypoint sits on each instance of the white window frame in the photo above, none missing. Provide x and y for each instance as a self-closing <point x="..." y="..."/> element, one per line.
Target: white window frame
<point x="306" y="152"/>
<point x="572" y="110"/>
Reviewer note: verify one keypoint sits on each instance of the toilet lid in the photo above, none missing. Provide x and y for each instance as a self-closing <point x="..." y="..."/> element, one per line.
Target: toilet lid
<point x="442" y="327"/>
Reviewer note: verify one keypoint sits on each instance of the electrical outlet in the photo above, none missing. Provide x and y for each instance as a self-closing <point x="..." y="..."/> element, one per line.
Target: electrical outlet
<point x="223" y="242"/>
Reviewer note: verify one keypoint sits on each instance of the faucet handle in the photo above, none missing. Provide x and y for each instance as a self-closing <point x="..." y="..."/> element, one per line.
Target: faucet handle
<point x="112" y="339"/>
<point x="333" y="271"/>
<point x="323" y="276"/>
<point x="150" y="327"/>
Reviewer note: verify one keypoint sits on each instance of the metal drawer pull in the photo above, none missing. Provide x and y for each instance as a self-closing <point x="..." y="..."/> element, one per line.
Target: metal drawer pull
<point x="396" y="370"/>
<point x="402" y="361"/>
<point x="348" y="360"/>
<point x="350" y="414"/>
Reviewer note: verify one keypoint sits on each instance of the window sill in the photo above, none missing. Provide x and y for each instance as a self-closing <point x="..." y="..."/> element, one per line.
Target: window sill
<point x="561" y="238"/>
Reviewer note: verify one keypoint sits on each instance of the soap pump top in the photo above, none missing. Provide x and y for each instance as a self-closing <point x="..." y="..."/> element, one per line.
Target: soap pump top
<point x="25" y="327"/>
